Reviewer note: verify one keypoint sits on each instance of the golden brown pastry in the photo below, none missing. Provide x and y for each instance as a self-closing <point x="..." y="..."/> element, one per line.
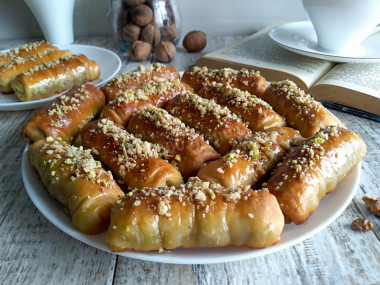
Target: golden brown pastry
<point x="66" y="115"/>
<point x="197" y="214"/>
<point x="251" y="160"/>
<point x="301" y="111"/>
<point x="155" y="93"/>
<point x="243" y="79"/>
<point x="188" y="148"/>
<point x="313" y="169"/>
<point x="138" y="78"/>
<point x="77" y="181"/>
<point x="19" y="65"/>
<point x="137" y="163"/>
<point x="25" y="51"/>
<point x="259" y="114"/>
<point x="56" y="76"/>
<point x="219" y="125"/>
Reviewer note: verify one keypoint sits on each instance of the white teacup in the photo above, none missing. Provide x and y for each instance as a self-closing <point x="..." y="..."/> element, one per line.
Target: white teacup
<point x="55" y="18"/>
<point x="343" y="24"/>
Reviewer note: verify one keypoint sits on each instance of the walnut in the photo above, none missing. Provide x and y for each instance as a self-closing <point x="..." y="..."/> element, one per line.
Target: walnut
<point x="194" y="41"/>
<point x="133" y="2"/>
<point x="169" y="33"/>
<point x="150" y="34"/>
<point x="372" y="203"/>
<point x="362" y="225"/>
<point x="140" y="51"/>
<point x="142" y="15"/>
<point x="165" y="51"/>
<point x="122" y="18"/>
<point x="131" y="32"/>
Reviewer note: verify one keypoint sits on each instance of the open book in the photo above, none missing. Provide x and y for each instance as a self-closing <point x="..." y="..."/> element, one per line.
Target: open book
<point x="352" y="85"/>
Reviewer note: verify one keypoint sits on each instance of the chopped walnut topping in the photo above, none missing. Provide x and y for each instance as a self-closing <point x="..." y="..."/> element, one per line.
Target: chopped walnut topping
<point x="362" y="225"/>
<point x="225" y="75"/>
<point x="153" y="88"/>
<point x="78" y="160"/>
<point x="195" y="191"/>
<point x="135" y="75"/>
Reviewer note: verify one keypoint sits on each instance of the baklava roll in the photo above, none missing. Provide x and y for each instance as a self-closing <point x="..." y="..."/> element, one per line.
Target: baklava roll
<point x="313" y="169"/>
<point x="196" y="214"/>
<point x="10" y="70"/>
<point x="77" y="181"/>
<point x="243" y="79"/>
<point x="53" y="77"/>
<point x="66" y="115"/>
<point x="300" y="109"/>
<point x="188" y="149"/>
<point x="252" y="160"/>
<point x="155" y="93"/>
<point x="137" y="163"/>
<point x="138" y="78"/>
<point x="25" y="51"/>
<point x="257" y="113"/>
<point x="219" y="125"/>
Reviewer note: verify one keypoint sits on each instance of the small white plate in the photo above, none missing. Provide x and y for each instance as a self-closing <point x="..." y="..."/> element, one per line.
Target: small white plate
<point x="300" y="37"/>
<point x="329" y="209"/>
<point x="108" y="61"/>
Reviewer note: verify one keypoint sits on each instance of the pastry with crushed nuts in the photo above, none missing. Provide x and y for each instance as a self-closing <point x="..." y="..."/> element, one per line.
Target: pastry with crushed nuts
<point x="137" y="163"/>
<point x="196" y="214"/>
<point x="155" y="93"/>
<point x="301" y="110"/>
<point x="77" y="181"/>
<point x="243" y="79"/>
<point x="188" y="148"/>
<point x="55" y="76"/>
<point x="10" y="70"/>
<point x="258" y="113"/>
<point x="219" y="125"/>
<point x="25" y="51"/>
<point x="252" y="160"/>
<point x="137" y="78"/>
<point x="66" y="115"/>
<point x="313" y="169"/>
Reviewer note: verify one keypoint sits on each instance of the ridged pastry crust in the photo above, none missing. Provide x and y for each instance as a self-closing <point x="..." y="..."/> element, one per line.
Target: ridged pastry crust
<point x="313" y="169"/>
<point x="155" y="93"/>
<point x="219" y="125"/>
<point x="66" y="115"/>
<point x="19" y="65"/>
<point x="56" y="76"/>
<point x="25" y="51"/>
<point x="250" y="108"/>
<point x="246" y="80"/>
<point x="77" y="181"/>
<point x="188" y="149"/>
<point x="250" y="161"/>
<point x="138" y="78"/>
<point x="301" y="111"/>
<point x="137" y="163"/>
<point x="197" y="214"/>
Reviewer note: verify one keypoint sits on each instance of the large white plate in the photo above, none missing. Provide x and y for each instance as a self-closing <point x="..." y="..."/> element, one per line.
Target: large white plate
<point x="108" y="61"/>
<point x="300" y="37"/>
<point x="330" y="208"/>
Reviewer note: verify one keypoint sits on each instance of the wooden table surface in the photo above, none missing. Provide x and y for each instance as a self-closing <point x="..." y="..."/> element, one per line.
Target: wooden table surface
<point x="34" y="251"/>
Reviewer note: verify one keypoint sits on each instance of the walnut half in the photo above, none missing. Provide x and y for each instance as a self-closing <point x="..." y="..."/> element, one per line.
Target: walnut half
<point x="372" y="203"/>
<point x="362" y="225"/>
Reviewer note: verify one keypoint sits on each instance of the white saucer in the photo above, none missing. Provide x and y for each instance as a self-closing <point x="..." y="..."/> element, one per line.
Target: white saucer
<point x="300" y="37"/>
<point x="108" y="61"/>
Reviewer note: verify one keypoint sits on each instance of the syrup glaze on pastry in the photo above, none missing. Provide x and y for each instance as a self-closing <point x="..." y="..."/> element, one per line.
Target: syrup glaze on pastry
<point x="196" y="214"/>
<point x="77" y="181"/>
